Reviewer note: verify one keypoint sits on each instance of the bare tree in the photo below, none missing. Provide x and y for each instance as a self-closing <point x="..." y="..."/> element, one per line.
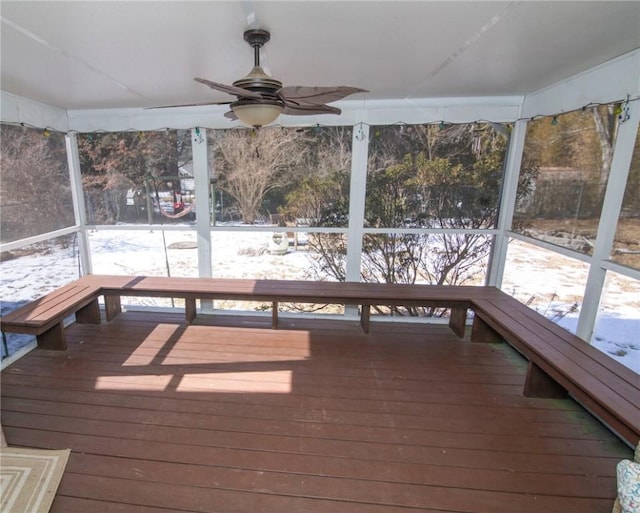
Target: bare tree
<point x="447" y="179"/>
<point x="425" y="177"/>
<point x="322" y="193"/>
<point x="34" y="190"/>
<point x="252" y="163"/>
<point x="114" y="163"/>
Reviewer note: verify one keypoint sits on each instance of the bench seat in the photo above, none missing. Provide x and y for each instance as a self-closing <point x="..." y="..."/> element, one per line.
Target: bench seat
<point x="561" y="363"/>
<point x="44" y="317"/>
<point x="457" y="298"/>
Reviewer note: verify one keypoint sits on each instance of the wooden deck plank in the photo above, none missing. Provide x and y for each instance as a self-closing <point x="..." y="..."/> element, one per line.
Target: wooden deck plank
<point x="20" y="414"/>
<point x="479" y="479"/>
<point x="232" y="344"/>
<point x="347" y="468"/>
<point x="414" y="420"/>
<point x="161" y="416"/>
<point x="370" y="468"/>
<point x="229" y="355"/>
<point x="278" y="380"/>
<point x="204" y="378"/>
<point x="214" y="372"/>
<point x="209" y="499"/>
<point x="436" y="387"/>
<point x="149" y="382"/>
<point x="146" y="413"/>
<point x="313" y="486"/>
<point x="68" y="504"/>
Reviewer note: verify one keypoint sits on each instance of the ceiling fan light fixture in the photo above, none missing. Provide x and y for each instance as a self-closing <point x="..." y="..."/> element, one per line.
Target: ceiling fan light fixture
<point x="257" y="114"/>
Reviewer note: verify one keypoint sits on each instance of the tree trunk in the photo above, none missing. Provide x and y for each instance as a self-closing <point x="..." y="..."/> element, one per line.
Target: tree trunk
<point x="605" y="128"/>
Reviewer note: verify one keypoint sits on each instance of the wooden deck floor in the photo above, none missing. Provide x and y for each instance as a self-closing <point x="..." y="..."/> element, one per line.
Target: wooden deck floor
<point x="164" y="417"/>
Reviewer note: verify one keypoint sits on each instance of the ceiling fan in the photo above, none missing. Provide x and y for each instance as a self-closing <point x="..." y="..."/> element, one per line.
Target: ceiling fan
<point x="261" y="98"/>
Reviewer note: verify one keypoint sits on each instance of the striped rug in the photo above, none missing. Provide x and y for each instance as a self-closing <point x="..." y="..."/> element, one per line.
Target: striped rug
<point x="29" y="478"/>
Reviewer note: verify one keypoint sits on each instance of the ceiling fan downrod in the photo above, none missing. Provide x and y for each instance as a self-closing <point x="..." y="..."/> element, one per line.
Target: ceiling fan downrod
<point x="257" y="38"/>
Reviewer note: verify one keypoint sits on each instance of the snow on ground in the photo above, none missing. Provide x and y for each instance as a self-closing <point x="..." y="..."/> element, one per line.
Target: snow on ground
<point x="234" y="255"/>
<point x="548" y="282"/>
<point x="553" y="285"/>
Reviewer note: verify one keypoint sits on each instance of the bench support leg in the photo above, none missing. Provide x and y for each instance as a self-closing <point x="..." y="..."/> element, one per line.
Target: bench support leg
<point x="53" y="338"/>
<point x="112" y="307"/>
<point x="5" y="346"/>
<point x="458" y="320"/>
<point x="540" y="384"/>
<point x="482" y="332"/>
<point x="365" y="317"/>
<point x="274" y="315"/>
<point x="190" y="309"/>
<point x="89" y="314"/>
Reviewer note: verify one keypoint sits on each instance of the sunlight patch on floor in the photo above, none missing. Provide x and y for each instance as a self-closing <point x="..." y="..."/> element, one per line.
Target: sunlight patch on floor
<point x="139" y="382"/>
<point x="266" y="382"/>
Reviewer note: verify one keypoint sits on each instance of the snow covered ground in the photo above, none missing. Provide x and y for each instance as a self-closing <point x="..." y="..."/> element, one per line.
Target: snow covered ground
<point x="548" y="282"/>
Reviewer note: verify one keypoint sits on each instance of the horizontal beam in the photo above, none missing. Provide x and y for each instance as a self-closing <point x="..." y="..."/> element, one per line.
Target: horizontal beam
<point x="9" y="246"/>
<point x="570" y="253"/>
<point x="373" y="112"/>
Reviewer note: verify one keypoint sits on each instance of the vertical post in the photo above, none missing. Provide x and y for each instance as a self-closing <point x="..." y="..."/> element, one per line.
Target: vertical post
<point x="89" y="314"/>
<point x="53" y="338"/>
<point x="202" y="183"/>
<point x="507" y="204"/>
<point x="357" y="194"/>
<point x="483" y="333"/>
<point x="458" y="320"/>
<point x="274" y="315"/>
<point x="190" y="309"/>
<point x="611" y="206"/>
<point x="77" y="196"/>
<point x="539" y="384"/>
<point x="212" y="195"/>
<point x="112" y="306"/>
<point x="147" y="192"/>
<point x="365" y="317"/>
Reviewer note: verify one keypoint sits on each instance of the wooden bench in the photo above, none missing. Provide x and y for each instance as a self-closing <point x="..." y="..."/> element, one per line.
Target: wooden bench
<point x="45" y="317"/>
<point x="365" y="295"/>
<point x="561" y="363"/>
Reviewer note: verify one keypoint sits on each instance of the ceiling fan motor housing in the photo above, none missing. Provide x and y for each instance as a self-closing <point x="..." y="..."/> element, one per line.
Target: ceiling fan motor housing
<point x="257" y="80"/>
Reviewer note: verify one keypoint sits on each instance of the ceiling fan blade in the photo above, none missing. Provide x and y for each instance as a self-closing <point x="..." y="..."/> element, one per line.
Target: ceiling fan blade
<point x="308" y="110"/>
<point x="317" y="95"/>
<point x="187" y="105"/>
<point x="235" y="91"/>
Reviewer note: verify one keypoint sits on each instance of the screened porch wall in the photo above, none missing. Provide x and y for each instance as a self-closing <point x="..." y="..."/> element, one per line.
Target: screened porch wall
<point x="593" y="86"/>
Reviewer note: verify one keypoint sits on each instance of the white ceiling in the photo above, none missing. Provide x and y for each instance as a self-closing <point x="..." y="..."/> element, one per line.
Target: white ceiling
<point x="85" y="55"/>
